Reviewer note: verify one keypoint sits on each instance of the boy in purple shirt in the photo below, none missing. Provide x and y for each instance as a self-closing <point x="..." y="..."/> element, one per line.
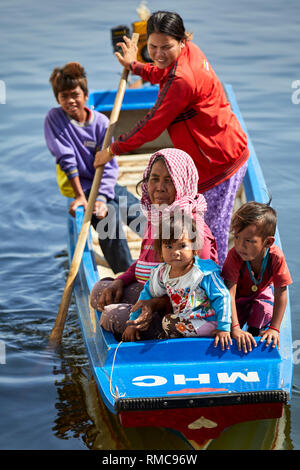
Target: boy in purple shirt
<point x="73" y="135"/>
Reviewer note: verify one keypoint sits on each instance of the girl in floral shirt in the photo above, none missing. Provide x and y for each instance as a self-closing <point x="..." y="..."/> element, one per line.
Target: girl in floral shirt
<point x="198" y="295"/>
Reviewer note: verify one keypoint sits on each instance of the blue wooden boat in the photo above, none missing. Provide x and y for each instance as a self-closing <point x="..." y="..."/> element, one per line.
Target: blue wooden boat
<point x="185" y="384"/>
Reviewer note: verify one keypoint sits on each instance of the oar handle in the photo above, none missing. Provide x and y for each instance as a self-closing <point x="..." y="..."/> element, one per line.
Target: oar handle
<point x="57" y="331"/>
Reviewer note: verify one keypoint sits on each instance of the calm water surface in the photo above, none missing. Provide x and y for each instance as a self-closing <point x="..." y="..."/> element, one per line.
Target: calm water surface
<point x="50" y="402"/>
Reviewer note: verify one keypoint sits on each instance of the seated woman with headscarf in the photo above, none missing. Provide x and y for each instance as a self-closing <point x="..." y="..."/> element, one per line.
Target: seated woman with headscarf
<point x="170" y="181"/>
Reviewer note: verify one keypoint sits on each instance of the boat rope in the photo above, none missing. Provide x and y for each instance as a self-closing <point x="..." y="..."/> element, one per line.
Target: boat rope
<point x="117" y="395"/>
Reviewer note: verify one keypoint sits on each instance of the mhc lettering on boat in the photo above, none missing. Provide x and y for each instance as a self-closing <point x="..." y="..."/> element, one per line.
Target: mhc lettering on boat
<point x="181" y="379"/>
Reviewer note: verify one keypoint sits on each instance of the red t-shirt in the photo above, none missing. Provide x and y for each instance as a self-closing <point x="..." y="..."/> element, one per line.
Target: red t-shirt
<point x="277" y="273"/>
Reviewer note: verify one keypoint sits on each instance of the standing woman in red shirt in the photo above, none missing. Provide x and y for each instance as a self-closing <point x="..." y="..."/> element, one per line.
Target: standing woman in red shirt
<point x="192" y="106"/>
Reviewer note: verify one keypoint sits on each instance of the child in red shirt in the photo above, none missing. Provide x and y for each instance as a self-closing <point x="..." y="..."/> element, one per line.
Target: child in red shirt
<point x="257" y="276"/>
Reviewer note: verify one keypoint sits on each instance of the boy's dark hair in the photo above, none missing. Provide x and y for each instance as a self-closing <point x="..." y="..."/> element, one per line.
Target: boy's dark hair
<point x="68" y="77"/>
<point x="256" y="213"/>
<point x="171" y="229"/>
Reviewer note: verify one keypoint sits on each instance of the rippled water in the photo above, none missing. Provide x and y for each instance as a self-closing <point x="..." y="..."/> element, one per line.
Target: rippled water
<point x="51" y="402"/>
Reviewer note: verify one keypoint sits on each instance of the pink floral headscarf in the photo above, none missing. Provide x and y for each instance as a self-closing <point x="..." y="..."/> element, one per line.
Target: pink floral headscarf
<point x="184" y="175"/>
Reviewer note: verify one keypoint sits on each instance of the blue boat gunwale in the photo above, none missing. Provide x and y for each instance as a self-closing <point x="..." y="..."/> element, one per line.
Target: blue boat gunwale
<point x="104" y="99"/>
<point x="101" y="345"/>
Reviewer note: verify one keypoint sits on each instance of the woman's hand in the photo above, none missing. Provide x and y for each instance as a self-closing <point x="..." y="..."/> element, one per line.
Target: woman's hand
<point x="78" y="201"/>
<point x="244" y="339"/>
<point x="144" y="319"/>
<point x="222" y="337"/>
<point x="102" y="157"/>
<point x="111" y="295"/>
<point x="129" y="50"/>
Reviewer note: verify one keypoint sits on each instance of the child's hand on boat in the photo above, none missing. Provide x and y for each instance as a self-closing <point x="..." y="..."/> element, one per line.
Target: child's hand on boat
<point x="244" y="339"/>
<point x="269" y="336"/>
<point x="78" y="201"/>
<point x="102" y="157"/>
<point x="222" y="337"/>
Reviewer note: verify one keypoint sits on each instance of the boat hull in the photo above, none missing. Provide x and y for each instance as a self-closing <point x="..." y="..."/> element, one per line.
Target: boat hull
<point x="198" y="425"/>
<point x="184" y="384"/>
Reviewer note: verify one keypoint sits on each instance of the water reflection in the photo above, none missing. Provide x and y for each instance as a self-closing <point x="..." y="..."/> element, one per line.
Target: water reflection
<point x="82" y="414"/>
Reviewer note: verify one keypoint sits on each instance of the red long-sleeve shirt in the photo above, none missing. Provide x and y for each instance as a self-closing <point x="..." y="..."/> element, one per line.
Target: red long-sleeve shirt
<point x="193" y="107"/>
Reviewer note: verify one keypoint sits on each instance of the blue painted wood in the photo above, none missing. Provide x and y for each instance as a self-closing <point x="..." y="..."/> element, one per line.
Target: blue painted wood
<point x="140" y="98"/>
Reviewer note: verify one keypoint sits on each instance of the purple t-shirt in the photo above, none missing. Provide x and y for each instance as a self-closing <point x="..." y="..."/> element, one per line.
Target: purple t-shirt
<point x="74" y="146"/>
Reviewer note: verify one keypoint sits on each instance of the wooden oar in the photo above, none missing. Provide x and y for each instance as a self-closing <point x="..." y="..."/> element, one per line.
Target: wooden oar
<point x="57" y="331"/>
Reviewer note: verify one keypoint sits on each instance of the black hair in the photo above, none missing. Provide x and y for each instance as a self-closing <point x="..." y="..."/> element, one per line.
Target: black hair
<point x="167" y="22"/>
<point x="172" y="228"/>
<point x="68" y="77"/>
<point x="256" y="213"/>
